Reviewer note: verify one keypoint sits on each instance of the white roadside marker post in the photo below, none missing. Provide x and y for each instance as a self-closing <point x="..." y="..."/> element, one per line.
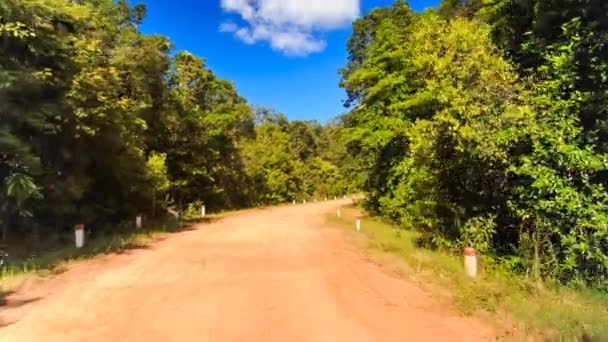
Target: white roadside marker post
<point x="335" y="198"/>
<point x="203" y="211"/>
<point x="294" y="202"/>
<point x="79" y="235"/>
<point x="138" y="221"/>
<point x="470" y="262"/>
<point x="304" y="201"/>
<point x="339" y="214"/>
<point x="315" y="200"/>
<point x="325" y="199"/>
<point x="358" y="224"/>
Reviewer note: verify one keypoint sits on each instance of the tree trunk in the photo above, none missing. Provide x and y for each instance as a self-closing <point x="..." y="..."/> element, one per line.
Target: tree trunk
<point x="536" y="271"/>
<point x="154" y="203"/>
<point x="6" y="223"/>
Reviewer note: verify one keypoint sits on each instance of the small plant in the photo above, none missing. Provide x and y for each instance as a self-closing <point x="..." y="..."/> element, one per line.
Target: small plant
<point x="193" y="211"/>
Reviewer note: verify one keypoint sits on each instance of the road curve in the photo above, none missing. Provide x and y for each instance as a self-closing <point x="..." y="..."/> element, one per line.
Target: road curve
<point x="269" y="275"/>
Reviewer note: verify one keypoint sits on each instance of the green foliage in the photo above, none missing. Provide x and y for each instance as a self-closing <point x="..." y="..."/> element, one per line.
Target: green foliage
<point x="533" y="33"/>
<point x="294" y="160"/>
<point x="157" y="169"/>
<point x="20" y="187"/>
<point x="557" y="312"/>
<point x="105" y="122"/>
<point x="458" y="144"/>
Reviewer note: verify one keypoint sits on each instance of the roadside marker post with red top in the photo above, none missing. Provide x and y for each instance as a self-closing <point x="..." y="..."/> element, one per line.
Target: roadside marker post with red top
<point x="470" y="262"/>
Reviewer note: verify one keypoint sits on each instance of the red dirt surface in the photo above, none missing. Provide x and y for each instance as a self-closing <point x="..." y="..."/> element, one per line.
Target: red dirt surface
<point x="269" y="275"/>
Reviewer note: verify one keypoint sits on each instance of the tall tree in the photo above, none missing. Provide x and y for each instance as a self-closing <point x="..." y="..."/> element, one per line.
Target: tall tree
<point x="456" y="144"/>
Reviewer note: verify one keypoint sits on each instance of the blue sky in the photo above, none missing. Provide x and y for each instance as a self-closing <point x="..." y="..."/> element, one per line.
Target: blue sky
<point x="283" y="54"/>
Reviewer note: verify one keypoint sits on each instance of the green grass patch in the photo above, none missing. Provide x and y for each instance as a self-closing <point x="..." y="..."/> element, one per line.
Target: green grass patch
<point x="553" y="310"/>
<point x="55" y="259"/>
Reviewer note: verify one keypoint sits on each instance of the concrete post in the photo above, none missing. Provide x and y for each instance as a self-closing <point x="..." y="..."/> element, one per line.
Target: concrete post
<point x="79" y="235"/>
<point x="470" y="262"/>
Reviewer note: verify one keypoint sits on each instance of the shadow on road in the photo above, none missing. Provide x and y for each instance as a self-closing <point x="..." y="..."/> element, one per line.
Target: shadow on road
<point x="7" y="302"/>
<point x="190" y="224"/>
<point x="3" y="297"/>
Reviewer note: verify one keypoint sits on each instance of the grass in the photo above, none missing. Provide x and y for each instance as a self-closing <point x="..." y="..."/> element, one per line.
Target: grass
<point x="552" y="311"/>
<point x="55" y="259"/>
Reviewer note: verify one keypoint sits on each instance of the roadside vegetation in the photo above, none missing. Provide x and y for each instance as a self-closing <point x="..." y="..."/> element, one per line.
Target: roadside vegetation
<point x="100" y="123"/>
<point x="480" y="123"/>
<point x="483" y="123"/>
<point x="57" y="255"/>
<point x="520" y="306"/>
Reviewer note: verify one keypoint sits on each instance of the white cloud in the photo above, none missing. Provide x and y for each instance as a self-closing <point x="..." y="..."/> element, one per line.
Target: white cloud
<point x="228" y="27"/>
<point x="290" y="26"/>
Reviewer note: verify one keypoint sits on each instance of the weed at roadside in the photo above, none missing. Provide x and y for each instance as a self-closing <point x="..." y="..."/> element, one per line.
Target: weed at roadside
<point x="551" y="308"/>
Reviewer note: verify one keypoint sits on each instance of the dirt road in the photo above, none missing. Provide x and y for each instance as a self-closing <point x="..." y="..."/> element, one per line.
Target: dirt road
<point x="271" y="275"/>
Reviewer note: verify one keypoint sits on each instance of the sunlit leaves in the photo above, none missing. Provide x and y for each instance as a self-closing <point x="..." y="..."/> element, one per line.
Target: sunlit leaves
<point x="459" y="145"/>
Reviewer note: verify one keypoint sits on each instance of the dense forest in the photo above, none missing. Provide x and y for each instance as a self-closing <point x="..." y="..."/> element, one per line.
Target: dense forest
<point x="100" y="122"/>
<point x="480" y="123"/>
<point x="484" y="123"/>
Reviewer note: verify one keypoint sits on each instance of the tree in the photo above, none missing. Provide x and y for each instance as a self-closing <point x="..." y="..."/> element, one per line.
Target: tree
<point x="104" y="122"/>
<point x="533" y="32"/>
<point x="157" y="170"/>
<point x="18" y="189"/>
<point x="270" y="164"/>
<point x="203" y="128"/>
<point x="364" y="31"/>
<point x="456" y="144"/>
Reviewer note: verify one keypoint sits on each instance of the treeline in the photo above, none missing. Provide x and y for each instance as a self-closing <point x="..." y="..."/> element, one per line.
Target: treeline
<point x="484" y="123"/>
<point x="297" y="160"/>
<point x="100" y="122"/>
